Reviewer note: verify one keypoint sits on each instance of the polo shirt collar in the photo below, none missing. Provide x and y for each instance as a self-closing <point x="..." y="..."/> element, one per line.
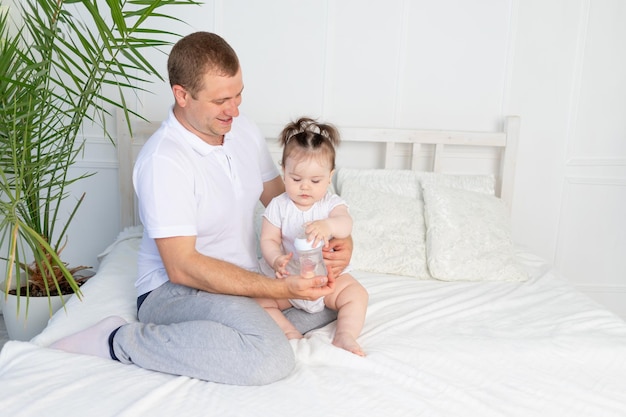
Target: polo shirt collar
<point x="197" y="144"/>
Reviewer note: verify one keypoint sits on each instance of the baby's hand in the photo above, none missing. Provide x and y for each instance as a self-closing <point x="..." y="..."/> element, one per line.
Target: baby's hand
<point x="280" y="265"/>
<point x="317" y="231"/>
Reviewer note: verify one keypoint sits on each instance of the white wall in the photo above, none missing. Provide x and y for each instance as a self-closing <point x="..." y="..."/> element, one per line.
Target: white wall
<point x="453" y="64"/>
<point x="569" y="86"/>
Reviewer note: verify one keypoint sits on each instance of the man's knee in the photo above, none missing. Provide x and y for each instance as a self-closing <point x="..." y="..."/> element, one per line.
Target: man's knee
<point x="274" y="362"/>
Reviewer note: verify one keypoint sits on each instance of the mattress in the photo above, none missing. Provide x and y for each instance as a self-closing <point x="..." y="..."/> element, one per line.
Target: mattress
<point x="532" y="348"/>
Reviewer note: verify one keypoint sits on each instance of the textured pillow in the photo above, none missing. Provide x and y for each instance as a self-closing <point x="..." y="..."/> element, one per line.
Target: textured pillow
<point x="468" y="236"/>
<point x="387" y="207"/>
<point x="388" y="231"/>
<point x="484" y="184"/>
<point x="407" y="183"/>
<point x="399" y="182"/>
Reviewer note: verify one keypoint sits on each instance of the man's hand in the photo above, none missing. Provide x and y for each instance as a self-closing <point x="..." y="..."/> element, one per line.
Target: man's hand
<point x="310" y="288"/>
<point x="337" y="254"/>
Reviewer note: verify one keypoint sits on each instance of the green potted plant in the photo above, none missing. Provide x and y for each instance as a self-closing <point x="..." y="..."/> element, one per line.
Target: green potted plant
<point x="63" y="63"/>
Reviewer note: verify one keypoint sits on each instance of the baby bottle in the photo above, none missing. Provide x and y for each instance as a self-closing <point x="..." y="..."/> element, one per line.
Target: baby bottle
<point x="310" y="257"/>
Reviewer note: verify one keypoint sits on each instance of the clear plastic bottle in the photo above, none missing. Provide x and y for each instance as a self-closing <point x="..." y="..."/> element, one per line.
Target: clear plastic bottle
<point x="310" y="258"/>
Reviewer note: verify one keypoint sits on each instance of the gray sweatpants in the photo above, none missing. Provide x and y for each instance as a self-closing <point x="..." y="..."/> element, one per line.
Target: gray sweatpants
<point x="214" y="337"/>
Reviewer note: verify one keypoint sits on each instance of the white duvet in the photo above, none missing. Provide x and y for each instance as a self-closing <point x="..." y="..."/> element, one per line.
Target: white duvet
<point x="537" y="348"/>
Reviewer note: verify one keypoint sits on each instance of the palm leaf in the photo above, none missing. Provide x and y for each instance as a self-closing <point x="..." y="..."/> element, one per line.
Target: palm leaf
<point x="54" y="63"/>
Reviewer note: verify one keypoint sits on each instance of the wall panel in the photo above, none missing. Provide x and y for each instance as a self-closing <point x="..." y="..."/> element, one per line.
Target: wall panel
<point x="281" y="45"/>
<point x="363" y="62"/>
<point x="592" y="231"/>
<point x="592" y="238"/>
<point x="600" y="129"/>
<point x="455" y="64"/>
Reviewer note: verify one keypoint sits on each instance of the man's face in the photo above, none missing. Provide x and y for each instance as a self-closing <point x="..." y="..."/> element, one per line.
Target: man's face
<point x="210" y="113"/>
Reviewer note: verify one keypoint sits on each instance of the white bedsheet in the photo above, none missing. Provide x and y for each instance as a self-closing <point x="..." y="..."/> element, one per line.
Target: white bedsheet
<point x="537" y="348"/>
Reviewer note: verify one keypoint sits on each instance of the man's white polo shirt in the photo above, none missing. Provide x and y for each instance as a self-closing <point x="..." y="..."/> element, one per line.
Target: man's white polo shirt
<point x="186" y="187"/>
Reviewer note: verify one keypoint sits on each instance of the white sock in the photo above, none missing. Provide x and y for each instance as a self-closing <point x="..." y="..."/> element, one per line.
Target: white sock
<point x="93" y="340"/>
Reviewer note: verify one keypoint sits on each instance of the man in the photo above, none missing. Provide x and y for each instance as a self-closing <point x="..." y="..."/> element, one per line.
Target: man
<point x="198" y="179"/>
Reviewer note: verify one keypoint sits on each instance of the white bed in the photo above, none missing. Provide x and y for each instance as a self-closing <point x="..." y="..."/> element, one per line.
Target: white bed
<point x="496" y="333"/>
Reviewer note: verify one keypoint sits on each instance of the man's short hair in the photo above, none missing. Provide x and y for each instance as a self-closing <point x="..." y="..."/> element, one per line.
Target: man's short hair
<point x="198" y="54"/>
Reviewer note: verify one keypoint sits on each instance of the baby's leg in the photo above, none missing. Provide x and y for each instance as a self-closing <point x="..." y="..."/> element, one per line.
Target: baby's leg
<point x="274" y="309"/>
<point x="350" y="301"/>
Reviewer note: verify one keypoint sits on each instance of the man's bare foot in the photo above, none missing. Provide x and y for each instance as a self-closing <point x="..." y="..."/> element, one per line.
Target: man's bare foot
<point x="349" y="343"/>
<point x="293" y="334"/>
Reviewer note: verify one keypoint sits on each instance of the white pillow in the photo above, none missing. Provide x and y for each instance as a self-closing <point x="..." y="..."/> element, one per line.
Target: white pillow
<point x="468" y="236"/>
<point x="388" y="211"/>
<point x="388" y="232"/>
<point x="484" y="184"/>
<point x="399" y="182"/>
<point x="407" y="183"/>
<point x="110" y="292"/>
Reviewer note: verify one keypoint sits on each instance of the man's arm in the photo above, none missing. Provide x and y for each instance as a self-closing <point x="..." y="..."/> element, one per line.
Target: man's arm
<point x="186" y="266"/>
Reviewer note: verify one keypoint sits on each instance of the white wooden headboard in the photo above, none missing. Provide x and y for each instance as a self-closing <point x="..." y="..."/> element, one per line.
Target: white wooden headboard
<point x="466" y="152"/>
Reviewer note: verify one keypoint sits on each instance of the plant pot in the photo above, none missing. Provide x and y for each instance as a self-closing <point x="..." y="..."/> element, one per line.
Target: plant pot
<point x="24" y="325"/>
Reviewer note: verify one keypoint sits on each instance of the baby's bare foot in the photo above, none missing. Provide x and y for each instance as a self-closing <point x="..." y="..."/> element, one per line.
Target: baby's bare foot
<point x="293" y="334"/>
<point x="349" y="343"/>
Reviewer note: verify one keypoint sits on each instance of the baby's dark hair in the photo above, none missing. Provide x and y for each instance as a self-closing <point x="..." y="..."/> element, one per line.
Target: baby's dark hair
<point x="306" y="136"/>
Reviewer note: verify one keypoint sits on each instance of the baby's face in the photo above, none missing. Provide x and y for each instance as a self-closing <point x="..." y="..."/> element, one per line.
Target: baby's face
<point x="307" y="180"/>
